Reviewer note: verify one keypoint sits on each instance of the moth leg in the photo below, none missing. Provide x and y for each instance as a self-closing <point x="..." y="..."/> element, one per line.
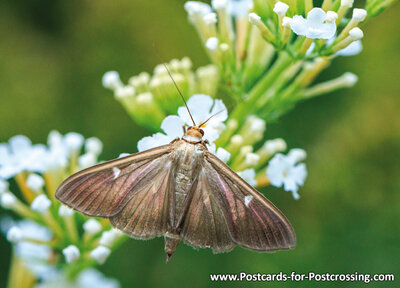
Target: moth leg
<point x="206" y="142"/>
<point x="184" y="129"/>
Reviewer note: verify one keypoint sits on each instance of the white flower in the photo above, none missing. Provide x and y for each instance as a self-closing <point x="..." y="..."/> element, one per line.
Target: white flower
<point x="35" y="256"/>
<point x="20" y="155"/>
<point x="352" y="49"/>
<point x="3" y="186"/>
<point x="251" y="159"/>
<point x="356" y="34"/>
<point x="297" y="154"/>
<point x="249" y="175"/>
<point x="7" y="200"/>
<point x="281" y="8"/>
<point x="210" y="18"/>
<point x="93" y="145"/>
<point x="65" y="211"/>
<point x="347" y="3"/>
<point x="274" y="146"/>
<point x="239" y="8"/>
<point x="100" y="254"/>
<point x="93" y="278"/>
<point x="71" y="253"/>
<point x="107" y="238"/>
<point x="282" y="170"/>
<point x="87" y="160"/>
<point x="315" y="26"/>
<point x="254" y="18"/>
<point x="73" y="141"/>
<point x="350" y="79"/>
<point x="92" y="226"/>
<point x="221" y="153"/>
<point x="15" y="234"/>
<point x="41" y="204"/>
<point x="219" y="4"/>
<point x="171" y="125"/>
<point x="203" y="107"/>
<point x="35" y="182"/>
<point x="111" y="80"/>
<point x="212" y="43"/>
<point x="194" y="8"/>
<point x="122" y="155"/>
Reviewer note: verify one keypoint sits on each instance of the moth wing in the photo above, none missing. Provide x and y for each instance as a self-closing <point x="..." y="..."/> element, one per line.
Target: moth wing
<point x="149" y="211"/>
<point x="103" y="190"/>
<point x="241" y="215"/>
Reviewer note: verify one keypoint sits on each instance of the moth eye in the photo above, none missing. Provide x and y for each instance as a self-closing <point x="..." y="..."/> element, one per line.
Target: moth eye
<point x="190" y="128"/>
<point x="202" y="132"/>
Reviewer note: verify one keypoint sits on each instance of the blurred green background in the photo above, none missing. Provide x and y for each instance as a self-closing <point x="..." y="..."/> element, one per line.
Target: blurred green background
<point x="54" y="53"/>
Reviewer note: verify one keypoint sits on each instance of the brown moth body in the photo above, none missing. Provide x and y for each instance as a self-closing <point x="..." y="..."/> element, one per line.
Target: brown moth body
<point x="183" y="192"/>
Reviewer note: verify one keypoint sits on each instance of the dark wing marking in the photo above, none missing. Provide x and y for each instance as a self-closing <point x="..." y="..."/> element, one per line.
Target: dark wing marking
<point x="225" y="205"/>
<point x="104" y="189"/>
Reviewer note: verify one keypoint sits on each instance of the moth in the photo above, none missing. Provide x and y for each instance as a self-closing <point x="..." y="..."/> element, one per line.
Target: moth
<point x="183" y="192"/>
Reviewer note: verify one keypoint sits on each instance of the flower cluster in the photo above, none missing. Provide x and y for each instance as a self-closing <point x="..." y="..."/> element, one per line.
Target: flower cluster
<point x="156" y="95"/>
<point x="51" y="241"/>
<point x="269" y="54"/>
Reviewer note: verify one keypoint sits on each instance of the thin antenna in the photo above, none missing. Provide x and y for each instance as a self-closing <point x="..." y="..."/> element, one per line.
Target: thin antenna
<point x="180" y="93"/>
<point x="211" y="117"/>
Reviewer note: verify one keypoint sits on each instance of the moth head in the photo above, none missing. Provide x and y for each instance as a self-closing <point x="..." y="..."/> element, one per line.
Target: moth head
<point x="195" y="131"/>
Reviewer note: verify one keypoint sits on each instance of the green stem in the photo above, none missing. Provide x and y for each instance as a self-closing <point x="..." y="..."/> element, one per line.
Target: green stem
<point x="245" y="108"/>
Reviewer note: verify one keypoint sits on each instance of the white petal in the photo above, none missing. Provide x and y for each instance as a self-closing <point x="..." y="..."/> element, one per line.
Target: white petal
<point x="172" y="126"/>
<point x="20" y="143"/>
<point x="239" y="8"/>
<point x="93" y="145"/>
<point x="87" y="160"/>
<point x="100" y="254"/>
<point x="35" y="182"/>
<point x="150" y="142"/>
<point x="220" y="108"/>
<point x="73" y="140"/>
<point x="210" y="133"/>
<point x="249" y="175"/>
<point x="354" y="48"/>
<point x="41" y="204"/>
<point x="107" y="238"/>
<point x="92" y="226"/>
<point x="300" y="174"/>
<point x="54" y="138"/>
<point x="200" y="106"/>
<point x="299" y="25"/>
<point x="15" y="234"/>
<point x="92" y="278"/>
<point x="275" y="170"/>
<point x="223" y="155"/>
<point x="3" y="186"/>
<point x="71" y="253"/>
<point x="316" y="17"/>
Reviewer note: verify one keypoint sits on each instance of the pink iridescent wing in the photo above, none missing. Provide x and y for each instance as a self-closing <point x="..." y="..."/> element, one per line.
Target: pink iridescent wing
<point x="226" y="211"/>
<point x="105" y="189"/>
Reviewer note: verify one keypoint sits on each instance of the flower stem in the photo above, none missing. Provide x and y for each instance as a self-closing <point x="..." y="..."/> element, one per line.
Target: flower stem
<point x="26" y="192"/>
<point x="243" y="109"/>
<point x="19" y="276"/>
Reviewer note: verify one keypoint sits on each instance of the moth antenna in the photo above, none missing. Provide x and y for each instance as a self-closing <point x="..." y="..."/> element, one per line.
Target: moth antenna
<point x="202" y="123"/>
<point x="180" y="93"/>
